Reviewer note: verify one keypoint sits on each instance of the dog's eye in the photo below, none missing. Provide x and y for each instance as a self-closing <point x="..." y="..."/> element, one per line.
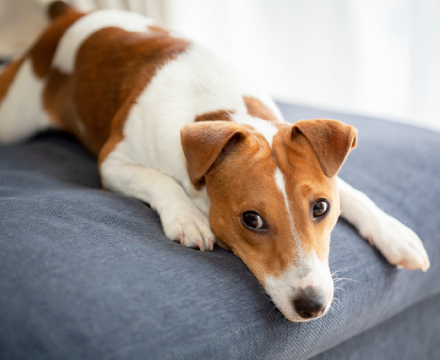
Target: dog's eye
<point x="253" y="221"/>
<point x="320" y="208"/>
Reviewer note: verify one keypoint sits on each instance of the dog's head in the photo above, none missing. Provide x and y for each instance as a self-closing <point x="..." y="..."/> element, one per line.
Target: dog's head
<point x="274" y="201"/>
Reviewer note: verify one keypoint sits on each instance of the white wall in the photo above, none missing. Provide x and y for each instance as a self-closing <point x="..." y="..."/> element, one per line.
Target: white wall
<point x="20" y="23"/>
<point x="376" y="57"/>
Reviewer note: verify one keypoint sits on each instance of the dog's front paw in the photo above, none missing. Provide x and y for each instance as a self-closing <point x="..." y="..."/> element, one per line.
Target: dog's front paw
<point x="189" y="226"/>
<point x="398" y="243"/>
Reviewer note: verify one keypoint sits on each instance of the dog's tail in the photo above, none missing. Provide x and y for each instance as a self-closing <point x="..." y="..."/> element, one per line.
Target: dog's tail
<point x="56" y="8"/>
<point x="22" y="111"/>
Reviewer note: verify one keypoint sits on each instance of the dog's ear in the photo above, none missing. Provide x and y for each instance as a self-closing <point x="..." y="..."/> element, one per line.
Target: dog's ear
<point x="207" y="141"/>
<point x="331" y="141"/>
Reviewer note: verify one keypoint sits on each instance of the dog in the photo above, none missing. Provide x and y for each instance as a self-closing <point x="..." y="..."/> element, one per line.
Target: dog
<point x="173" y="126"/>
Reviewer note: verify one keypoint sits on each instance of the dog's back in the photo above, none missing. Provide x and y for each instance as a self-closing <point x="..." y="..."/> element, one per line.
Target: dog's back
<point x="175" y="127"/>
<point x="82" y="72"/>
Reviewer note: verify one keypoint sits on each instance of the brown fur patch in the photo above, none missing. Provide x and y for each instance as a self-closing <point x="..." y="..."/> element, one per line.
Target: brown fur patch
<point x="257" y="109"/>
<point x="116" y="129"/>
<point x="223" y="115"/>
<point x="331" y="141"/>
<point x="205" y="143"/>
<point x="57" y="8"/>
<point x="57" y="90"/>
<point x="113" y="67"/>
<point x="306" y="183"/>
<point x="43" y="51"/>
<point x="245" y="181"/>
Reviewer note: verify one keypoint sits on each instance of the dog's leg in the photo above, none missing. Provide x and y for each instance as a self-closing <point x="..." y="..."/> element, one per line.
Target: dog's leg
<point x="399" y="244"/>
<point x="21" y="104"/>
<point x="181" y="219"/>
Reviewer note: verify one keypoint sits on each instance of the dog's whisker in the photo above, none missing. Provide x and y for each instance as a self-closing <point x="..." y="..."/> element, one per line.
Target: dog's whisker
<point x="343" y="279"/>
<point x="142" y="156"/>
<point x="342" y="289"/>
<point x="342" y="269"/>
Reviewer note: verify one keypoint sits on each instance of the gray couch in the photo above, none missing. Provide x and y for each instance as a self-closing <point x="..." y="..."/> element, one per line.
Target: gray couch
<point x="89" y="274"/>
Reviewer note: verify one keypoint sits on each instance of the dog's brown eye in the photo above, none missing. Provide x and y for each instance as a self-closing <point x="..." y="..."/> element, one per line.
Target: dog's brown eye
<point x="320" y="208"/>
<point x="253" y="221"/>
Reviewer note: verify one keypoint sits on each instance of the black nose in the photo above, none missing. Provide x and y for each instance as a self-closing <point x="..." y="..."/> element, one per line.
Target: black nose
<point x="310" y="303"/>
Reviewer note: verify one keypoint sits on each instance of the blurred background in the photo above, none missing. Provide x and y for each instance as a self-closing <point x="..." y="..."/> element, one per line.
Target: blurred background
<point x="369" y="57"/>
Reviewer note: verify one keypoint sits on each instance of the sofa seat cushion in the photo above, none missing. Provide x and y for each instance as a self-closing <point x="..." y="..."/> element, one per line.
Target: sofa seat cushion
<point x="89" y="274"/>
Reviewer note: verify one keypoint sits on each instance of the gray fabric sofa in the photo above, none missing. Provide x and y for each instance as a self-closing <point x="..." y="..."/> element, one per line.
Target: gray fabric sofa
<point x="89" y="274"/>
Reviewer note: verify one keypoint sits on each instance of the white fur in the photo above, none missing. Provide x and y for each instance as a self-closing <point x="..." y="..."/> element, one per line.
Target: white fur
<point x="180" y="218"/>
<point x="200" y="84"/>
<point x="73" y="38"/>
<point x="149" y="163"/>
<point x="398" y="243"/>
<point x="266" y="128"/>
<point x="194" y="84"/>
<point x="309" y="272"/>
<point x="285" y="288"/>
<point x="281" y="184"/>
<point x="21" y="110"/>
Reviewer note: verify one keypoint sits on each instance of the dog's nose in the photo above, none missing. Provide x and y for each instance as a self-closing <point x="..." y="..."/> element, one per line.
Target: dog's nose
<point x="310" y="303"/>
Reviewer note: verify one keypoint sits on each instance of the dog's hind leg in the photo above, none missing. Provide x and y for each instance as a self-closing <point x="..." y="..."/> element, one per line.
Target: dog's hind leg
<point x="21" y="105"/>
<point x="398" y="243"/>
<point x="22" y="112"/>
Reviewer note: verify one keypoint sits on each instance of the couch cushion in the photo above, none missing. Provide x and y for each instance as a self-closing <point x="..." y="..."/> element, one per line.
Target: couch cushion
<point x="89" y="274"/>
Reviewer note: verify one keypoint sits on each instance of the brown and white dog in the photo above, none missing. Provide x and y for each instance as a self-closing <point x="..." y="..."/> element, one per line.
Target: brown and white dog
<point x="173" y="126"/>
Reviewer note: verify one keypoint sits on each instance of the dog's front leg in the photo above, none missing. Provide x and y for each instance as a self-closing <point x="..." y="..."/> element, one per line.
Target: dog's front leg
<point x="399" y="244"/>
<point x="181" y="219"/>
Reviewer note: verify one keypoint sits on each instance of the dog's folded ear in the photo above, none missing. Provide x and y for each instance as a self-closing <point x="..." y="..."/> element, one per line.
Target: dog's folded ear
<point x="206" y="142"/>
<point x="331" y="141"/>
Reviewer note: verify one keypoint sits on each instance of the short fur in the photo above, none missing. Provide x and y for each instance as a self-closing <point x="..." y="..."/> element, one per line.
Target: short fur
<point x="175" y="127"/>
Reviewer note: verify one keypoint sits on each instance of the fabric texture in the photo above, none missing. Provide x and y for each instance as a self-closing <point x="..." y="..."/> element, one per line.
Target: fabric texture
<point x="411" y="334"/>
<point x="89" y="274"/>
